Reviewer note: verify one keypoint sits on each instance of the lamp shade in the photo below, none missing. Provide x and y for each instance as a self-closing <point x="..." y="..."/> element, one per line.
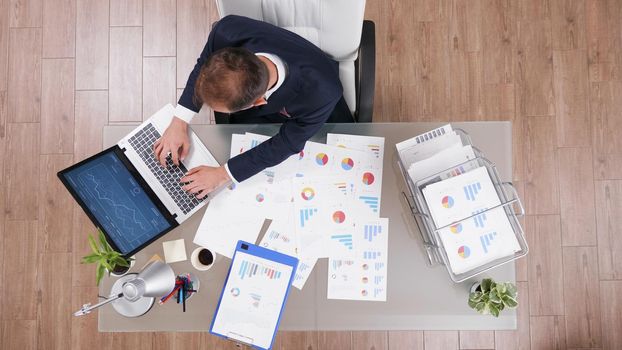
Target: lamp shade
<point x="156" y="279"/>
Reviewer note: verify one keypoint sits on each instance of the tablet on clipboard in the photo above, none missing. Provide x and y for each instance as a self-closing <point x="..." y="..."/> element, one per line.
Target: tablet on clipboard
<point x="254" y="295"/>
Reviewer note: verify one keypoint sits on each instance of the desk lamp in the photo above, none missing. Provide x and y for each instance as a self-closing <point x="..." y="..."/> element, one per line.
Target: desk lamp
<point x="134" y="294"/>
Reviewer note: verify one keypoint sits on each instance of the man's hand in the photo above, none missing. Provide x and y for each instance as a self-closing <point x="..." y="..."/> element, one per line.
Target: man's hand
<point x="174" y="141"/>
<point x="204" y="179"/>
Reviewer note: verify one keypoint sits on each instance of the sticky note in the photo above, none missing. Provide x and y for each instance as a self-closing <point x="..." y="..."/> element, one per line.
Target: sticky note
<point x="174" y="251"/>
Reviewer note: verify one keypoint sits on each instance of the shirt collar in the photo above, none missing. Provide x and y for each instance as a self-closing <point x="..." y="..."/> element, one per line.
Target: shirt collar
<point x="280" y="69"/>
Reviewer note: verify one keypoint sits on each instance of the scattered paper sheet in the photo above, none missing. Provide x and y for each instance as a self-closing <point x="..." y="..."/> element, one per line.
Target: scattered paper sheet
<point x="365" y="276"/>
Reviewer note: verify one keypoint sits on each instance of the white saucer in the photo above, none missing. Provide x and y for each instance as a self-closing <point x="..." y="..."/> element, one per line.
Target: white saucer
<point x="194" y="259"/>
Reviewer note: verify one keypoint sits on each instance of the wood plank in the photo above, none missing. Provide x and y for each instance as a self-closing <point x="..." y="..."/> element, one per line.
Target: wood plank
<point x="603" y="28"/>
<point x="605" y="111"/>
<point x="160" y="27"/>
<point x="177" y="341"/>
<point x="55" y="313"/>
<point x="22" y="157"/>
<point x="126" y="60"/>
<point x="571" y="98"/>
<point x="92" y="37"/>
<point x="581" y="294"/>
<point x="608" y="219"/>
<point x="568" y="18"/>
<point x="466" y="85"/>
<point x="431" y="64"/>
<point x="576" y="196"/>
<point x="477" y="340"/>
<point x="533" y="9"/>
<point x="465" y="30"/>
<point x="24" y="75"/>
<point x="19" y="334"/>
<point x="21" y="263"/>
<point x="611" y="318"/>
<point x="59" y="28"/>
<point x="132" y="340"/>
<point x="412" y="340"/>
<point x="498" y="101"/>
<point x="126" y="13"/>
<point x="297" y="340"/>
<point x="57" y="205"/>
<point x="534" y="68"/>
<point x="341" y="340"/>
<point x="519" y="339"/>
<point x="194" y="22"/>
<point x="372" y="340"/>
<point x="91" y="115"/>
<point x="84" y="333"/>
<point x="25" y="13"/>
<point x="607" y="166"/>
<point x="441" y="340"/>
<point x="158" y="84"/>
<point x="498" y="41"/>
<point x="4" y="45"/>
<point x="546" y="284"/>
<point x="541" y="172"/>
<point x="548" y="332"/>
<point x="57" y="106"/>
<point x="213" y="342"/>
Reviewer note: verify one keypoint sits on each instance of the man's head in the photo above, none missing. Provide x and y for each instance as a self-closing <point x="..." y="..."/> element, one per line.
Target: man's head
<point x="232" y="79"/>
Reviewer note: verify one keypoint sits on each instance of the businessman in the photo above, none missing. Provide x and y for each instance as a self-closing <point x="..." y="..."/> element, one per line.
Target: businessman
<point x="256" y="73"/>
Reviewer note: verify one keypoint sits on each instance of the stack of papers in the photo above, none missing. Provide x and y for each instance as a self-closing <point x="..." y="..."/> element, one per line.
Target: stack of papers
<point x="323" y="203"/>
<point x="461" y="199"/>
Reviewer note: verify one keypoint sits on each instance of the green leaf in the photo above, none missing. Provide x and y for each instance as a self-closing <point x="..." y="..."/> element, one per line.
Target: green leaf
<point x="509" y="301"/>
<point x="121" y="261"/>
<point x="93" y="245"/>
<point x="494" y="310"/>
<point x="107" y="265"/>
<point x="89" y="259"/>
<point x="486" y="285"/>
<point x="480" y="307"/>
<point x="494" y="296"/>
<point x="104" y="243"/>
<point x="99" y="273"/>
<point x="472" y="303"/>
<point x="501" y="288"/>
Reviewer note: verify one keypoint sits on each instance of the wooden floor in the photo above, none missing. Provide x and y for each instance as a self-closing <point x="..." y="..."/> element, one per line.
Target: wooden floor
<point x="552" y="67"/>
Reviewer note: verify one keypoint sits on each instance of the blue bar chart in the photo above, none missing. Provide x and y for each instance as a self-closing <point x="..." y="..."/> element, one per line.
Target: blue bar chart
<point x="486" y="240"/>
<point x="471" y="191"/>
<point x="250" y="269"/>
<point x="346" y="240"/>
<point x="371" y="201"/>
<point x="370" y="255"/>
<point x="305" y="215"/>
<point x="479" y="219"/>
<point x="372" y="231"/>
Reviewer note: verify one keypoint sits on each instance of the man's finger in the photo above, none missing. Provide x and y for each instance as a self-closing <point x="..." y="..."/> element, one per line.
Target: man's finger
<point x="162" y="157"/>
<point x="197" y="189"/>
<point x="188" y="178"/>
<point x="185" y="148"/>
<point x="175" y="156"/>
<point x="190" y="186"/>
<point x="193" y="170"/>
<point x="203" y="194"/>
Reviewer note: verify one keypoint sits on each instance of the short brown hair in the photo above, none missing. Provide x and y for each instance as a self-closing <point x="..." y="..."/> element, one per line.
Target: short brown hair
<point x="233" y="77"/>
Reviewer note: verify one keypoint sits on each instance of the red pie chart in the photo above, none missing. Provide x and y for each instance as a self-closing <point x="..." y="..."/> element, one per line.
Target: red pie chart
<point x="339" y="216"/>
<point x="321" y="159"/>
<point x="368" y="178"/>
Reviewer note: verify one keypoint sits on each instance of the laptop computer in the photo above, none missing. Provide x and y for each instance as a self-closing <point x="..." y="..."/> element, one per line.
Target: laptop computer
<point x="127" y="193"/>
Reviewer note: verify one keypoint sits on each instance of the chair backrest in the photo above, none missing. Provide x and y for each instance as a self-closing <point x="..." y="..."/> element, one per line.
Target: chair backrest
<point x="332" y="25"/>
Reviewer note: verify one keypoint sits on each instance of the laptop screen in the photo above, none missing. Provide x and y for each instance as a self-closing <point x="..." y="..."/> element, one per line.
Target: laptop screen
<point x="117" y="201"/>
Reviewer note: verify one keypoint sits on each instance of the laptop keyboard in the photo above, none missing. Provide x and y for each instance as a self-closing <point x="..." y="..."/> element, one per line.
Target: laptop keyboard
<point x="169" y="177"/>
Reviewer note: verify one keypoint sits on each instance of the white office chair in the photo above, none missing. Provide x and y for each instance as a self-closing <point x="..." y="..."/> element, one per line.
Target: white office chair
<point x="337" y="27"/>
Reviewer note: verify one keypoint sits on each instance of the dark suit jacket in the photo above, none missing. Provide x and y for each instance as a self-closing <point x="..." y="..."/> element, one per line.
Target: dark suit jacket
<point x="304" y="101"/>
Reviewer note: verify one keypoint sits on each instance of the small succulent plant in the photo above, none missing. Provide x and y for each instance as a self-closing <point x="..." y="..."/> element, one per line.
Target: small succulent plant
<point x="490" y="298"/>
<point x="104" y="256"/>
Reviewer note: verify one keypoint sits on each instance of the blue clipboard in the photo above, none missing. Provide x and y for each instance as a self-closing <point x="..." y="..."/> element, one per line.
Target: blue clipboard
<point x="257" y="269"/>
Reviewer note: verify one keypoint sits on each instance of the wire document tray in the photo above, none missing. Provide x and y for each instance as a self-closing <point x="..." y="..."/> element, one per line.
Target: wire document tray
<point x="432" y="242"/>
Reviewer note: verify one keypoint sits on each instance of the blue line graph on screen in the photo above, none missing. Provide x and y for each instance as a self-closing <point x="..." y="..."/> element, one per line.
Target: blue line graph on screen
<point x="371" y="201"/>
<point x="372" y="231"/>
<point x="346" y="240"/>
<point x="486" y="240"/>
<point x="305" y="215"/>
<point x="471" y="191"/>
<point x="479" y="219"/>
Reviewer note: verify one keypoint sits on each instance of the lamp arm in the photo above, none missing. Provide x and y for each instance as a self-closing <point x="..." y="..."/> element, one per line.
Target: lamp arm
<point x="87" y="308"/>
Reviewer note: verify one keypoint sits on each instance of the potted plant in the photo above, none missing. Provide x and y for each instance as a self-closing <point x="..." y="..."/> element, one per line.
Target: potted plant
<point x="490" y="297"/>
<point x="106" y="258"/>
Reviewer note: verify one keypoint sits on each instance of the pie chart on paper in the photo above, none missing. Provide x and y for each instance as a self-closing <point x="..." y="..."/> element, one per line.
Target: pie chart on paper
<point x="447" y="202"/>
<point x="321" y="159"/>
<point x="347" y="164"/>
<point x="368" y="178"/>
<point x="464" y="252"/>
<point x="339" y="216"/>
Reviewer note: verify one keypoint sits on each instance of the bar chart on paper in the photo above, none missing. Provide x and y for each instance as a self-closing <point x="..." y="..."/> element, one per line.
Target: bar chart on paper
<point x="372" y="231"/>
<point x="250" y="269"/>
<point x="486" y="240"/>
<point x="371" y="201"/>
<point x="346" y="240"/>
<point x="305" y="215"/>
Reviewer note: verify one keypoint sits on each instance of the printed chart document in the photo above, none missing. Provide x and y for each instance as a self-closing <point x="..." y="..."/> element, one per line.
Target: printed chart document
<point x="365" y="276"/>
<point x="254" y="295"/>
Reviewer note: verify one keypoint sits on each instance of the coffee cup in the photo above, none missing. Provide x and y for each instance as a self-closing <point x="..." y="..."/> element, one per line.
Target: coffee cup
<point x="202" y="259"/>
